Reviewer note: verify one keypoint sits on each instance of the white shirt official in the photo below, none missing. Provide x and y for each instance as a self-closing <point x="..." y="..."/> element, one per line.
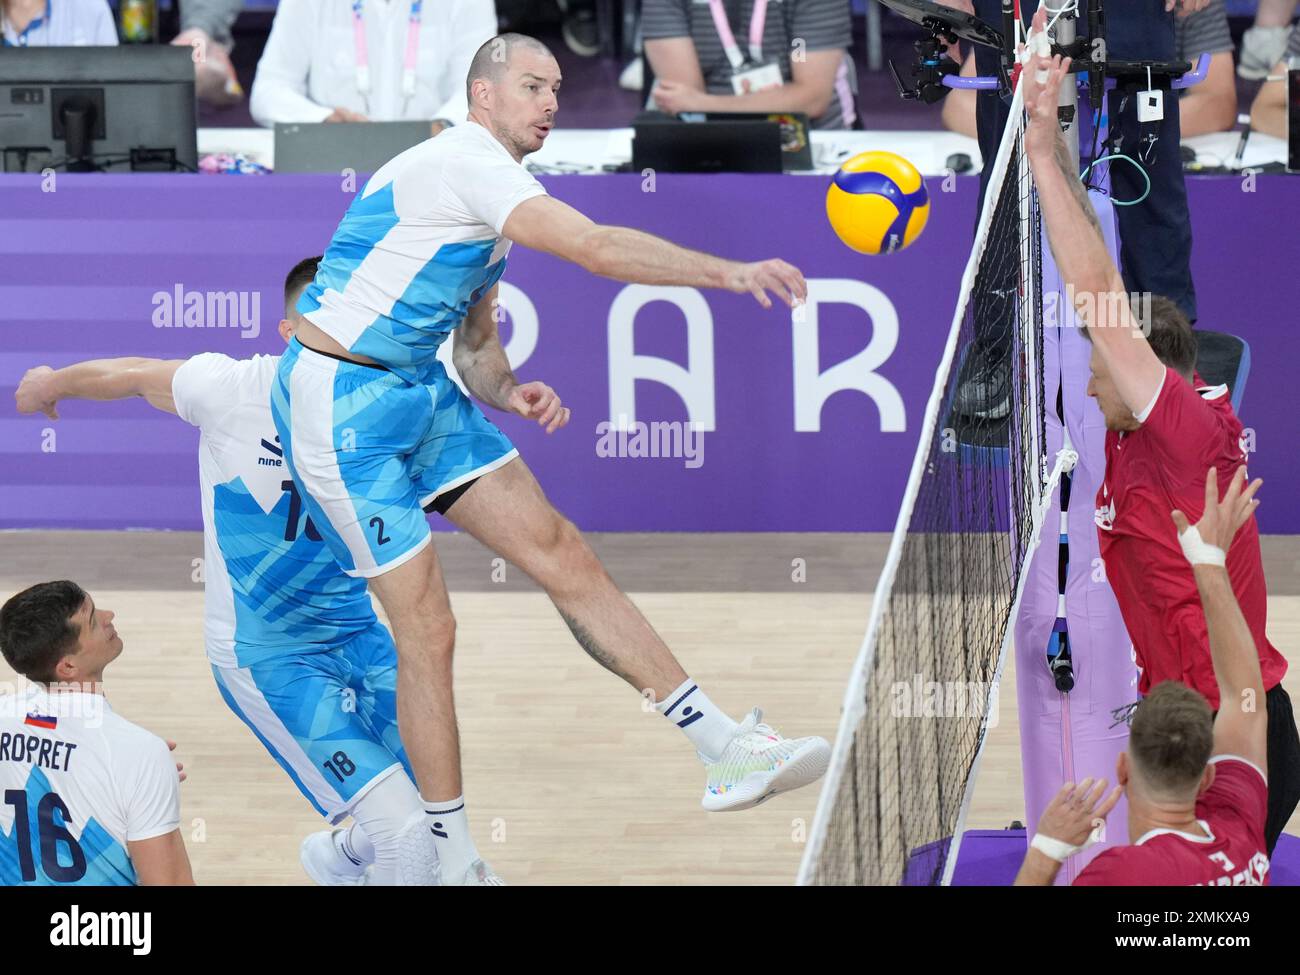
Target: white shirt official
<point x="309" y="67"/>
<point x="64" y="23"/>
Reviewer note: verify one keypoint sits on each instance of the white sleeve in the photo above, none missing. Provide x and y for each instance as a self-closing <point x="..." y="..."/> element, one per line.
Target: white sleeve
<point x="472" y="23"/>
<point x="490" y="185"/>
<point x="206" y="387"/>
<point x="153" y="791"/>
<point x="280" y="86"/>
<point x="104" y="33"/>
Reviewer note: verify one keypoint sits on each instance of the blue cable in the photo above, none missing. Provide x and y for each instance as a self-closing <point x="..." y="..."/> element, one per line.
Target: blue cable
<point x="1119" y="155"/>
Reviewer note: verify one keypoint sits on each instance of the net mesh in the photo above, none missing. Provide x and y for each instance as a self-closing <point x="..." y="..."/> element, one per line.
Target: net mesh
<point x="924" y="686"/>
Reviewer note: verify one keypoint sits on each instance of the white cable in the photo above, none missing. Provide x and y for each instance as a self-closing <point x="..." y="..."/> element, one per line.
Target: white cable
<point x="1072" y="8"/>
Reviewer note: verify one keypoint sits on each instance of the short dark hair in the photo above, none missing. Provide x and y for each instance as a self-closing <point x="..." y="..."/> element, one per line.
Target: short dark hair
<point x="493" y="57"/>
<point x="301" y="275"/>
<point x="1172" y="737"/>
<point x="1170" y="335"/>
<point x="36" y="629"/>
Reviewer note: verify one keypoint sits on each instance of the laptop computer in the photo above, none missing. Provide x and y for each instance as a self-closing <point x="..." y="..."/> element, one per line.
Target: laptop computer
<point x="330" y="147"/>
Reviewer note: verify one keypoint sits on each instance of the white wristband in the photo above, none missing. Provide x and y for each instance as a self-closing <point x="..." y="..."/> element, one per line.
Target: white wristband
<point x="1199" y="551"/>
<point x="1053" y="848"/>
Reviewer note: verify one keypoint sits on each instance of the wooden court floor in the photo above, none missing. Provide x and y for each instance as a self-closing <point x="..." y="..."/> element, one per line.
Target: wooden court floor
<point x="568" y="779"/>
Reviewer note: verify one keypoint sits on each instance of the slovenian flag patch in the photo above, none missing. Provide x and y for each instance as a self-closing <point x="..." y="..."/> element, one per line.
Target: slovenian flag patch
<point x="42" y="721"/>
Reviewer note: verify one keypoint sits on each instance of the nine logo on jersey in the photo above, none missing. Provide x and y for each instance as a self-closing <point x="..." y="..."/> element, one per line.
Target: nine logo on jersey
<point x="272" y="461"/>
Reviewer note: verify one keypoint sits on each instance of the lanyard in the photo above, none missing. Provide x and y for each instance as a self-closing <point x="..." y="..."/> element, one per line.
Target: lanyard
<point x="409" y="61"/>
<point x="729" y="45"/>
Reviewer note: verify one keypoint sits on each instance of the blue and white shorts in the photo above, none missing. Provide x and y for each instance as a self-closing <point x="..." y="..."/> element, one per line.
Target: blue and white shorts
<point x="328" y="717"/>
<point x="370" y="450"/>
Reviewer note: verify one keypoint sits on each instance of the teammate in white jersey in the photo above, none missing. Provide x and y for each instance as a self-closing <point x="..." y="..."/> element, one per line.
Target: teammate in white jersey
<point x="295" y="647"/>
<point x="359" y="407"/>
<point x="89" y="798"/>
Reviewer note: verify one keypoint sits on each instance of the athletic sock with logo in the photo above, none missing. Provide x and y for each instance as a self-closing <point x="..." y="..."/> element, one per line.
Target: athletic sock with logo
<point x="450" y="827"/>
<point x="705" y="724"/>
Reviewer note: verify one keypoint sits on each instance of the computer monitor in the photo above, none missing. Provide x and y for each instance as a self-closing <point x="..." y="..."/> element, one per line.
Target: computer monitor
<point x="97" y="109"/>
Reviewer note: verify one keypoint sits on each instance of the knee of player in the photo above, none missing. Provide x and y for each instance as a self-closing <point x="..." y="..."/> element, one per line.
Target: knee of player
<point x="563" y="546"/>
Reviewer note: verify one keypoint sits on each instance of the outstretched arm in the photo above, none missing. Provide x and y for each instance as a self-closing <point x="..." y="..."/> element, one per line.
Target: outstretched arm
<point x="1241" y="726"/>
<point x="546" y="224"/>
<point x="102" y="379"/>
<point x="1074" y="233"/>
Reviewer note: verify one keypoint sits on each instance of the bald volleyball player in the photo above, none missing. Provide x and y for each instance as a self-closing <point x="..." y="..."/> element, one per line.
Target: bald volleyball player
<point x="374" y="430"/>
<point x="1164" y="429"/>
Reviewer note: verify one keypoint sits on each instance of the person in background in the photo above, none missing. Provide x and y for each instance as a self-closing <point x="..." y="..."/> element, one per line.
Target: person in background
<point x="1268" y="111"/>
<point x="206" y="27"/>
<point x="1210" y="106"/>
<point x="1263" y="44"/>
<point x="369" y="60"/>
<point x="747" y="56"/>
<point x="56" y="23"/>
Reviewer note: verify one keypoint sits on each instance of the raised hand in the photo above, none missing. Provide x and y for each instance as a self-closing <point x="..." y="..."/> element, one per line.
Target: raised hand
<point x="1076" y="811"/>
<point x="1040" y="80"/>
<point x="1222" y="519"/>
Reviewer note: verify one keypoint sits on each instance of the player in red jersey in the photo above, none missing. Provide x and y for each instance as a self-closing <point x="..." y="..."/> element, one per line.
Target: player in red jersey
<point x="1162" y="434"/>
<point x="1197" y="792"/>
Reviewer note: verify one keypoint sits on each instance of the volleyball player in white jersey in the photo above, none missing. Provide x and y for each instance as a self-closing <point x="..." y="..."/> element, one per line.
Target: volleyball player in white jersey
<point x="359" y="405"/>
<point x="90" y="799"/>
<point x="295" y="647"/>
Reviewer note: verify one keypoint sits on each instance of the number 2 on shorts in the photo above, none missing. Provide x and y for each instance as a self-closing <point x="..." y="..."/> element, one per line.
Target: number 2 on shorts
<point x="377" y="522"/>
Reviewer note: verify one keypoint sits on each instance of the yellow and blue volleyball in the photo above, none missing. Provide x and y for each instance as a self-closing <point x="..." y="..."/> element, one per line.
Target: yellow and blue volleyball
<point x="878" y="203"/>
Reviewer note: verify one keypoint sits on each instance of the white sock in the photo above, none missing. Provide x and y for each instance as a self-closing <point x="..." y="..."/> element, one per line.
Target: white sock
<point x="449" y="824"/>
<point x="706" y="725"/>
<point x="354" y="846"/>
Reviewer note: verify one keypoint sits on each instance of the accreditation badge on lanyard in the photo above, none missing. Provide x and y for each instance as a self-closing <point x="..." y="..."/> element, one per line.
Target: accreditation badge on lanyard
<point x="747" y="74"/>
<point x="409" y="61"/>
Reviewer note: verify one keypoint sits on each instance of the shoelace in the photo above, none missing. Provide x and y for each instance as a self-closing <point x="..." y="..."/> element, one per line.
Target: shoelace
<point x="754" y="734"/>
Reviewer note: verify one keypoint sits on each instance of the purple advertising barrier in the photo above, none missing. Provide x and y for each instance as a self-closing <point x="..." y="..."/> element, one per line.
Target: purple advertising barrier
<point x="809" y="425"/>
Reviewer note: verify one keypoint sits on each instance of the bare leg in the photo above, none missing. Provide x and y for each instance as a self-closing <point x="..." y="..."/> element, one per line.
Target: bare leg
<point x="415" y="598"/>
<point x="507" y="511"/>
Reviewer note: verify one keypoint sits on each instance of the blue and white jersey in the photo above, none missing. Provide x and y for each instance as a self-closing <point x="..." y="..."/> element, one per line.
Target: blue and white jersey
<point x="270" y="583"/>
<point x="79" y="783"/>
<point x="419" y="245"/>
